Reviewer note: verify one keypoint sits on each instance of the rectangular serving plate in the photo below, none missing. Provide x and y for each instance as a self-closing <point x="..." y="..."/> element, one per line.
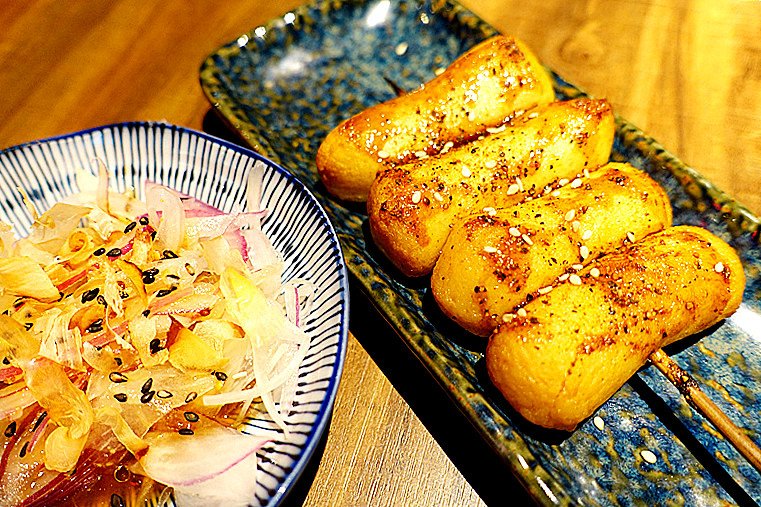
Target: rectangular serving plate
<point x="283" y="86"/>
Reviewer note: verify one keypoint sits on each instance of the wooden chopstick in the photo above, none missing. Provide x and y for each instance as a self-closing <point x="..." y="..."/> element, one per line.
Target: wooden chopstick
<point x="698" y="399"/>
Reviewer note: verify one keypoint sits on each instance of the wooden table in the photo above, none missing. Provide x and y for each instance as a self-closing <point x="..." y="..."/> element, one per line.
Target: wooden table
<point x="688" y="73"/>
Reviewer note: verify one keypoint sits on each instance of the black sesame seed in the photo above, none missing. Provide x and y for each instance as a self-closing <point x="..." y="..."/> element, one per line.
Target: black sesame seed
<point x="100" y="251"/>
<point x="89" y="295"/>
<point x="131" y="226"/>
<point x="192" y="395"/>
<point x="153" y="235"/>
<point x="191" y="417"/>
<point x="185" y="431"/>
<point x="39" y="421"/>
<point x="149" y="275"/>
<point x="122" y="474"/>
<point x="120" y="397"/>
<point x="6" y="360"/>
<point x="168" y="254"/>
<point x="146" y="313"/>
<point x="117" y="501"/>
<point x="165" y="292"/>
<point x="117" y="377"/>
<point x="114" y="252"/>
<point x="221" y="376"/>
<point x="101" y="300"/>
<point x="10" y="430"/>
<point x="28" y="325"/>
<point x="6" y="312"/>
<point x="118" y="361"/>
<point x="124" y="295"/>
<point x="143" y="220"/>
<point x="147" y="397"/>
<point x="155" y="345"/>
<point x="147" y="386"/>
<point x="163" y="394"/>
<point x="95" y="327"/>
<point x="23" y="449"/>
<point x="172" y="277"/>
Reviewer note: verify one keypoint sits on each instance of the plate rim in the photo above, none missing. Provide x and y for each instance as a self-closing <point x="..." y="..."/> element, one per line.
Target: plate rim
<point x="745" y="220"/>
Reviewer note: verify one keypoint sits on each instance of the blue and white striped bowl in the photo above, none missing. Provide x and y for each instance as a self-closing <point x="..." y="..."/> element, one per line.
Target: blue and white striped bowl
<point x="214" y="171"/>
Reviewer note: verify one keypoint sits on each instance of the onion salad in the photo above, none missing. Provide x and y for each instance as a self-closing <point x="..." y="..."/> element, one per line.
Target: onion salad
<point x="135" y="338"/>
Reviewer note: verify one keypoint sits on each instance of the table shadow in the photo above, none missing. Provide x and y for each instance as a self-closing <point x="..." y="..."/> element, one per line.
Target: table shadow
<point x="485" y="471"/>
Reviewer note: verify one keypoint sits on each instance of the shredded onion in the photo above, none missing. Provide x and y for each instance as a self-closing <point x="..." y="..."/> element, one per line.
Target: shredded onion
<point x="117" y="315"/>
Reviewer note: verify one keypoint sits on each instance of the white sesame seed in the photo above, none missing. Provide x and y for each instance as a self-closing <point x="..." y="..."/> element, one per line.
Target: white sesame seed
<point x="383" y="154"/>
<point x="578" y="267"/>
<point x="508" y="317"/>
<point x="238" y="375"/>
<point x="490" y="164"/>
<point x="514" y="231"/>
<point x="545" y="290"/>
<point x="519" y="183"/>
<point x="421" y="154"/>
<point x="569" y="216"/>
<point x="594" y="272"/>
<point x="586" y="173"/>
<point x="630" y="236"/>
<point x="496" y="130"/>
<point x="490" y="211"/>
<point x="521" y="312"/>
<point x="584" y="251"/>
<point x="576" y="183"/>
<point x="587" y="234"/>
<point x="719" y="267"/>
<point x="563" y="277"/>
<point x="416" y="196"/>
<point x="527" y="239"/>
<point x="649" y="456"/>
<point x="555" y="193"/>
<point x="438" y="196"/>
<point x="466" y="172"/>
<point x="471" y="116"/>
<point x="563" y="182"/>
<point x="401" y="48"/>
<point x="490" y="249"/>
<point x="513" y="189"/>
<point x="576" y="225"/>
<point x="547" y="189"/>
<point x="439" y="71"/>
<point x="599" y="423"/>
<point x="574" y="279"/>
<point x="533" y="115"/>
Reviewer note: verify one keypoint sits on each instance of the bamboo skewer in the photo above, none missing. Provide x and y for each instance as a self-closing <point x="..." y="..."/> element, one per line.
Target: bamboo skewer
<point x="703" y="404"/>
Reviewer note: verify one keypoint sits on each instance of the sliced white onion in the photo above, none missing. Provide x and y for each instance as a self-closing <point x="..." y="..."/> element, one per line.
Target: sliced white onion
<point x="215" y="466"/>
<point x="171" y="229"/>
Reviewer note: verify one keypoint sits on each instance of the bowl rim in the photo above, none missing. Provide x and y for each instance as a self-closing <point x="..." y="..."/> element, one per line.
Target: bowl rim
<point x="324" y="414"/>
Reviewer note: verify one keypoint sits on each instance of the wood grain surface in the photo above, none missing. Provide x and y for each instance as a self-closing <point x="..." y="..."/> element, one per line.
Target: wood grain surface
<point x="686" y="72"/>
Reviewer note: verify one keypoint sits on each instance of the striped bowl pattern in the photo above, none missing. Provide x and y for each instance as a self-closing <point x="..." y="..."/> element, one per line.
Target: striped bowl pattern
<point x="214" y="171"/>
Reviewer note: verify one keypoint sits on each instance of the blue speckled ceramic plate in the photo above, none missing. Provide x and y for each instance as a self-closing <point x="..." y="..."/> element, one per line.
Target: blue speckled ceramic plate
<point x="286" y="84"/>
<point x="214" y="171"/>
